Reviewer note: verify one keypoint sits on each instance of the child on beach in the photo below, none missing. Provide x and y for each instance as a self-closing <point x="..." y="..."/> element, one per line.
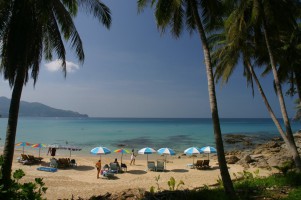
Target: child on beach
<point x="98" y="167"/>
<point x="132" y="158"/>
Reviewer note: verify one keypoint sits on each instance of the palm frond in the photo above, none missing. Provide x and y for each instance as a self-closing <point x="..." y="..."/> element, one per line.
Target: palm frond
<point x="98" y="9"/>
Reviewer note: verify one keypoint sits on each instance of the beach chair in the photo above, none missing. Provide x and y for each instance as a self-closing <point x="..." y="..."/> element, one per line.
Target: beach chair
<point x="160" y="165"/>
<point x="72" y="163"/>
<point x="25" y="160"/>
<point x="206" y="164"/>
<point x="34" y="159"/>
<point x="53" y="163"/>
<point x="63" y="163"/>
<point x="123" y="167"/>
<point x="108" y="174"/>
<point x="151" y="165"/>
<point x="114" y="168"/>
<point x="199" y="164"/>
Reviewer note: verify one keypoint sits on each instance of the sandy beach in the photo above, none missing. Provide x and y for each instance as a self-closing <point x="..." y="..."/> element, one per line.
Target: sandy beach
<point x="81" y="181"/>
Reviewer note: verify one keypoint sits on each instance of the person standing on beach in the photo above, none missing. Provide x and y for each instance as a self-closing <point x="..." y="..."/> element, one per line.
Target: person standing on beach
<point x="98" y="167"/>
<point x="132" y="158"/>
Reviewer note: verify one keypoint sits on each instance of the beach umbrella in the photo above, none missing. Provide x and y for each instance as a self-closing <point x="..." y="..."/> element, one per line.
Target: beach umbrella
<point x="166" y="151"/>
<point x="192" y="151"/>
<point x="100" y="150"/>
<point x="39" y="145"/>
<point x="147" y="150"/>
<point x="122" y="151"/>
<point x="23" y="144"/>
<point x="208" y="150"/>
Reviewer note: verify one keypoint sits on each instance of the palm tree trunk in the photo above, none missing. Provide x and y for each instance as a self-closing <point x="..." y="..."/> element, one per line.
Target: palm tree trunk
<point x="227" y="182"/>
<point x="266" y="102"/>
<point x="9" y="147"/>
<point x="289" y="134"/>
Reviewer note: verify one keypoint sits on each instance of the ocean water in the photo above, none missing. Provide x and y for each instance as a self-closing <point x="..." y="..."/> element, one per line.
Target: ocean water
<point x="137" y="133"/>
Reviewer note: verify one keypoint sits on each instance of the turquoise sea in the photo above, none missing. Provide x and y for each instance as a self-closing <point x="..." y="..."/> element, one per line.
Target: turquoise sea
<point x="137" y="133"/>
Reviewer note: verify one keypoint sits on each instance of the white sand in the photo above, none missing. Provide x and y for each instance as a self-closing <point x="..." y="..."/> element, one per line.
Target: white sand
<point x="81" y="180"/>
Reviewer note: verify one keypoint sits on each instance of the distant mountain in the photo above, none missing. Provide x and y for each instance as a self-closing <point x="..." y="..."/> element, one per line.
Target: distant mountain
<point x="34" y="109"/>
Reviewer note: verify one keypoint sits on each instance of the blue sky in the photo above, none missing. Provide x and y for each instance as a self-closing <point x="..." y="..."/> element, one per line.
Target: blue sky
<point x="132" y="70"/>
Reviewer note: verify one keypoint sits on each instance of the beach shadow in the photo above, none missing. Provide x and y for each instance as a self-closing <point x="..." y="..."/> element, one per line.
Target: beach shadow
<point x="180" y="170"/>
<point x="112" y="178"/>
<point x="82" y="168"/>
<point x="136" y="172"/>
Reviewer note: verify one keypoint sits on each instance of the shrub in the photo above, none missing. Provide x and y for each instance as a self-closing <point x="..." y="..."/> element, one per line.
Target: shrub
<point x="25" y="191"/>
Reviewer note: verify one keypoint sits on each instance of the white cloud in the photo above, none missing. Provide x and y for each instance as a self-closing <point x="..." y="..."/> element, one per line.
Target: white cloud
<point x="56" y="65"/>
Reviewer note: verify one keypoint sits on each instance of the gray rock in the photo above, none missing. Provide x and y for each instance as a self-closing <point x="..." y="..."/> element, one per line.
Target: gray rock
<point x="232" y="159"/>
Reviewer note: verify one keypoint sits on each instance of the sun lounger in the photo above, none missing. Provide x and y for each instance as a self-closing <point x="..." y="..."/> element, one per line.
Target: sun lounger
<point x="108" y="174"/>
<point x="202" y="164"/>
<point x="124" y="167"/>
<point x="206" y="164"/>
<point x="53" y="163"/>
<point x="199" y="164"/>
<point x="160" y="165"/>
<point x="34" y="159"/>
<point x="151" y="165"/>
<point x="114" y="168"/>
<point x="63" y="163"/>
<point x="72" y="163"/>
<point x="25" y="160"/>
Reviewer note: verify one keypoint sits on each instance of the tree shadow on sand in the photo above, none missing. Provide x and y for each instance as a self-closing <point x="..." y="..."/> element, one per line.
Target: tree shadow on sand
<point x="82" y="168"/>
<point x="179" y="170"/>
<point x="138" y="172"/>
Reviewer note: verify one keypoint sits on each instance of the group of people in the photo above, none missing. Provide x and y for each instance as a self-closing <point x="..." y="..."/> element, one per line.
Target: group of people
<point x="98" y="163"/>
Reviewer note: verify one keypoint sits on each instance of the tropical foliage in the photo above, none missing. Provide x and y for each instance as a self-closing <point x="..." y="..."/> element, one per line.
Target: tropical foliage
<point x="29" y="31"/>
<point x="254" y="34"/>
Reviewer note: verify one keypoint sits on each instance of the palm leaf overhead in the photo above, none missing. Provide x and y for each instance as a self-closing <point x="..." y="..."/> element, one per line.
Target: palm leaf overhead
<point x="29" y="31"/>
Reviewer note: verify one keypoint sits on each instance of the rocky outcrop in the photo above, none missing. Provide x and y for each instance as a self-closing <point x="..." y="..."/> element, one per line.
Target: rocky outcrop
<point x="266" y="155"/>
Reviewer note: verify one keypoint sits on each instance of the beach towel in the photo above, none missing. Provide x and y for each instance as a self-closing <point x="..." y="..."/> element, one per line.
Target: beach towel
<point x="47" y="169"/>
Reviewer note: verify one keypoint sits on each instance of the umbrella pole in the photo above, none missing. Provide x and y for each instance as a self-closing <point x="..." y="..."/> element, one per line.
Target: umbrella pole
<point x="23" y="149"/>
<point x="70" y="153"/>
<point x="39" y="152"/>
<point x="121" y="158"/>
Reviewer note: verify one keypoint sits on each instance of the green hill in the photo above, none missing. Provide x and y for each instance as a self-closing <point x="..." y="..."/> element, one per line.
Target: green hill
<point x="35" y="109"/>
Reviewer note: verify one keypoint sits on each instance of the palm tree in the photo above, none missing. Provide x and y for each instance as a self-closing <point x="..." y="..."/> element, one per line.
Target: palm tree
<point x="260" y="17"/>
<point x="171" y="13"/>
<point x="29" y="30"/>
<point x="227" y="50"/>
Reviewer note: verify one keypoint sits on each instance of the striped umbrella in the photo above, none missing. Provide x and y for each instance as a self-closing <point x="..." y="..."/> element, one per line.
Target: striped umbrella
<point x="100" y="150"/>
<point x="208" y="150"/>
<point x="166" y="151"/>
<point x="192" y="151"/>
<point x="23" y="144"/>
<point x="39" y="145"/>
<point x="147" y="150"/>
<point x="122" y="151"/>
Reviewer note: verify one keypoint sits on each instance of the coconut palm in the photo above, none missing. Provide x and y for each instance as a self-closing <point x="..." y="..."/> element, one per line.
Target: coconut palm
<point x="226" y="56"/>
<point x="171" y="14"/>
<point x="30" y="30"/>
<point x="260" y="17"/>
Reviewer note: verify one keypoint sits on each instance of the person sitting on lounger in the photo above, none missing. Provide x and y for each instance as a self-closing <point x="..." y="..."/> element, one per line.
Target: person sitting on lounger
<point x="115" y="161"/>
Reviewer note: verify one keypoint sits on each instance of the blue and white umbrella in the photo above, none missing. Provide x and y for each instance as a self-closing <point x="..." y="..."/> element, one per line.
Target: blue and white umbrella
<point x="192" y="151"/>
<point x="100" y="150"/>
<point x="208" y="150"/>
<point x="147" y="150"/>
<point x="166" y="151"/>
